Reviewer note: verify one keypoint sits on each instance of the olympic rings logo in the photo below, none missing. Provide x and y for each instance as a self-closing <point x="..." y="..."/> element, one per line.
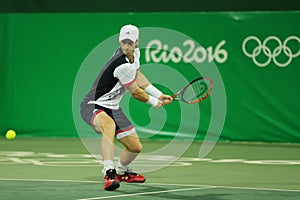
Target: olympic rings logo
<point x="274" y="53"/>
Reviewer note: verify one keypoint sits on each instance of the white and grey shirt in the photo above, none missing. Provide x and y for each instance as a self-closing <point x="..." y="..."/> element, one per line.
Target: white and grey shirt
<point x="110" y="85"/>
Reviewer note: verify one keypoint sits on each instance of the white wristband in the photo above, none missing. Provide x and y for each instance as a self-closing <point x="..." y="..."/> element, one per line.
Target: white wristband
<point x="153" y="91"/>
<point x="152" y="101"/>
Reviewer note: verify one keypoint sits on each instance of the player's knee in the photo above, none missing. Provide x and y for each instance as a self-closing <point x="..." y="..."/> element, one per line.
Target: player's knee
<point x="111" y="127"/>
<point x="136" y="148"/>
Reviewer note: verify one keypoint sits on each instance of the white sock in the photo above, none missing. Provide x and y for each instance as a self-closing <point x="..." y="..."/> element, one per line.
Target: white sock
<point x="107" y="164"/>
<point x="121" y="168"/>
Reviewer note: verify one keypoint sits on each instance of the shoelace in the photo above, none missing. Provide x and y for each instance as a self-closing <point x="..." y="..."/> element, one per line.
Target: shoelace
<point x="129" y="171"/>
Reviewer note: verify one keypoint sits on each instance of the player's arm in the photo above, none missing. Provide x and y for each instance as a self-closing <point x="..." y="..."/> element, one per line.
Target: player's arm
<point x="127" y="76"/>
<point x="145" y="84"/>
<point x="139" y="94"/>
<point x="141" y="80"/>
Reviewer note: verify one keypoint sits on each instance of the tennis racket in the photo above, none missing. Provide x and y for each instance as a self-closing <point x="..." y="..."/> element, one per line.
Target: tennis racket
<point x="195" y="92"/>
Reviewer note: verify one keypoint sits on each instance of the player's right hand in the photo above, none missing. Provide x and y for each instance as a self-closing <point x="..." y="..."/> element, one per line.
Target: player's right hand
<point x="166" y="99"/>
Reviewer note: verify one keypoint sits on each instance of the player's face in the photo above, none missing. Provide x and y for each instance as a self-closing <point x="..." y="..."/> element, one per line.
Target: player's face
<point x="128" y="46"/>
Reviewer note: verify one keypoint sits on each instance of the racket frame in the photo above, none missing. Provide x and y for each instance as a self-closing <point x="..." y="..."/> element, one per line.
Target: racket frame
<point x="181" y="92"/>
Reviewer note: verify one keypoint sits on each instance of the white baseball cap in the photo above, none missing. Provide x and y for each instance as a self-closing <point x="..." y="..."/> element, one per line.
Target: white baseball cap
<point x="130" y="32"/>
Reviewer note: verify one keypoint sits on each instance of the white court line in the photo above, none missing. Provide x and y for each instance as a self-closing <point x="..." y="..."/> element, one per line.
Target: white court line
<point x="233" y="187"/>
<point x="143" y="193"/>
<point x="182" y="185"/>
<point x="47" y="180"/>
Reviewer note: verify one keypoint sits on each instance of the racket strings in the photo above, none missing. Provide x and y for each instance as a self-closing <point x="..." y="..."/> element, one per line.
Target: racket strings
<point x="196" y="90"/>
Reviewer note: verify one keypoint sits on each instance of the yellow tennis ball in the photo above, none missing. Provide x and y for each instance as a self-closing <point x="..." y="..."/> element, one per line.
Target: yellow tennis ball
<point x="10" y="134"/>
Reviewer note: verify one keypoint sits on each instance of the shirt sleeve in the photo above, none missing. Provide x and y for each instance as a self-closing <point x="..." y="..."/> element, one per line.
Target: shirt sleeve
<point x="126" y="73"/>
<point x="137" y="57"/>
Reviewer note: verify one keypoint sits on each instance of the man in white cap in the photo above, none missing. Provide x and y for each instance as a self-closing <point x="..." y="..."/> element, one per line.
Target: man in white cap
<point x="100" y="107"/>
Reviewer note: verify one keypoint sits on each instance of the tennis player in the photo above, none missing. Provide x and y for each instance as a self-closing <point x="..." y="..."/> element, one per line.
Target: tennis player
<point x="100" y="107"/>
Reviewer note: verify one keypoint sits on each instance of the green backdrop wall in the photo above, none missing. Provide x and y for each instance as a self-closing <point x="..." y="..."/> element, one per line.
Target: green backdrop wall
<point x="41" y="54"/>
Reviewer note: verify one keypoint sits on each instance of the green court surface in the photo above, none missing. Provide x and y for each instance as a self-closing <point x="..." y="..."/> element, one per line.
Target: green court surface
<point x="61" y="168"/>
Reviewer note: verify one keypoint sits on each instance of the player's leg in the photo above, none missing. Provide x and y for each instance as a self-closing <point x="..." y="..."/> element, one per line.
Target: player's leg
<point x="127" y="135"/>
<point x="132" y="147"/>
<point x="105" y="124"/>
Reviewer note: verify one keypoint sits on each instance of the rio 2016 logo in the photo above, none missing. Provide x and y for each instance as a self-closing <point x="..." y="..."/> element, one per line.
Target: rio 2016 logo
<point x="271" y="49"/>
<point x="157" y="52"/>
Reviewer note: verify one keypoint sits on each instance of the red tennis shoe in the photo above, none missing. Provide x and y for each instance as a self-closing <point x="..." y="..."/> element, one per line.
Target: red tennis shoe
<point x="110" y="182"/>
<point x="130" y="177"/>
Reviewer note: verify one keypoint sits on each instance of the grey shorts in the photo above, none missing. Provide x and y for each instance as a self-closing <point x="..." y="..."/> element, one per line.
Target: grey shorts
<point x="123" y="125"/>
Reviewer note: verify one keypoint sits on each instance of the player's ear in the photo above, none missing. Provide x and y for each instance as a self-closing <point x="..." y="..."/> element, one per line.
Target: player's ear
<point x="137" y="42"/>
